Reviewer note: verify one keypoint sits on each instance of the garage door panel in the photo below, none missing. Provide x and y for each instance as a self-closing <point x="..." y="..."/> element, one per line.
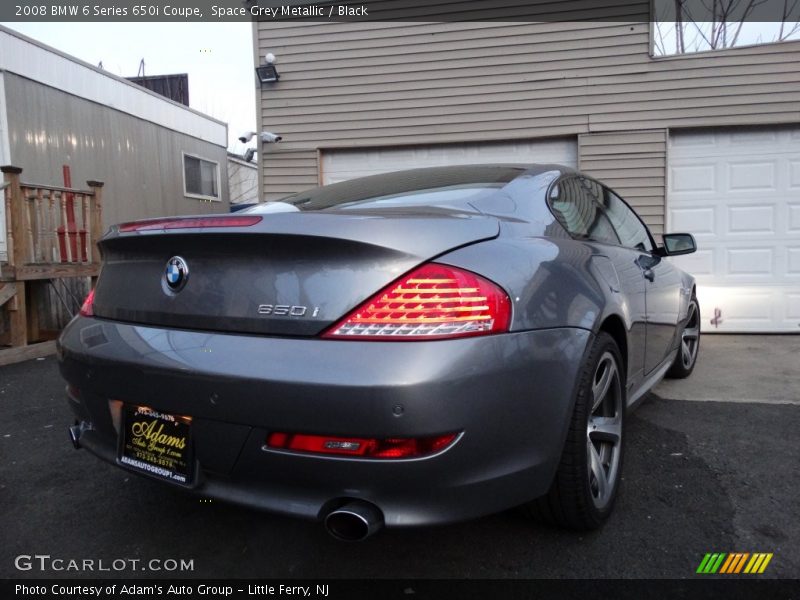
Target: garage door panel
<point x="699" y="221"/>
<point x="794" y="174"/>
<point x="793" y="222"/>
<point x="793" y="262"/>
<point x="750" y="262"/>
<point x="693" y="178"/>
<point x="694" y="140"/>
<point x="752" y="176"/>
<point x="748" y="138"/>
<point x="755" y="220"/>
<point x="793" y="306"/>
<point x="738" y="191"/>
<point x="755" y="310"/>
<point x="753" y="307"/>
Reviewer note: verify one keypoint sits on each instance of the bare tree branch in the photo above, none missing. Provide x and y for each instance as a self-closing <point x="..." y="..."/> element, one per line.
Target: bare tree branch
<point x="751" y="6"/>
<point x="725" y="29"/>
<point x="679" y="48"/>
<point x="696" y="40"/>
<point x="698" y="28"/>
<point x="786" y="35"/>
<point x="714" y="24"/>
<point x="725" y="10"/>
<point x="658" y="40"/>
<point x="787" y="10"/>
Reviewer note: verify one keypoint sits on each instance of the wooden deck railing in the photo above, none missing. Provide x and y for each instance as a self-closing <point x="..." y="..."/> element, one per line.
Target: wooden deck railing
<point x="51" y="231"/>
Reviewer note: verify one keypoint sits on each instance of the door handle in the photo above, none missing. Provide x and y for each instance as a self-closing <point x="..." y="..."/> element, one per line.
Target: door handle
<point x="649" y="275"/>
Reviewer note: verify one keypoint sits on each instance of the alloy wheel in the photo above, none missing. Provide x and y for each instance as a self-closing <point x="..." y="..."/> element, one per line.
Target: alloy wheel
<point x="690" y="338"/>
<point x="604" y="431"/>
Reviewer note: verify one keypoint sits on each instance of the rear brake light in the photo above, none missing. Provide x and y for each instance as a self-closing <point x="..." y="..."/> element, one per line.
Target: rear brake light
<point x="189" y="223"/>
<point x="432" y="302"/>
<point x="87" y="309"/>
<point x="361" y="447"/>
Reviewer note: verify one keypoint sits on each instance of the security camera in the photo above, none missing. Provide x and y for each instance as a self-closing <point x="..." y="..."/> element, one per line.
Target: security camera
<point x="270" y="138"/>
<point x="265" y="136"/>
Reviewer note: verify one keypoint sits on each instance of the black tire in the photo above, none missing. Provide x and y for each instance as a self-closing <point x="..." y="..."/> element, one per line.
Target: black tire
<point x="575" y="500"/>
<point x="689" y="347"/>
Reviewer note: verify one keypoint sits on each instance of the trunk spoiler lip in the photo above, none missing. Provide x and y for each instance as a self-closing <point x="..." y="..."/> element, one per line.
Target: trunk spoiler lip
<point x="187" y="222"/>
<point x="316" y="224"/>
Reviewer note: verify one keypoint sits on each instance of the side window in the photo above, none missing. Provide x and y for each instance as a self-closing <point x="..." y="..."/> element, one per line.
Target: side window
<point x="630" y="229"/>
<point x="200" y="177"/>
<point x="575" y="202"/>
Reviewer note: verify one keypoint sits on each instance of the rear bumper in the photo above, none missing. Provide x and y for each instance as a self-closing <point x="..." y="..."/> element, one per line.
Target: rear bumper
<point x="510" y="395"/>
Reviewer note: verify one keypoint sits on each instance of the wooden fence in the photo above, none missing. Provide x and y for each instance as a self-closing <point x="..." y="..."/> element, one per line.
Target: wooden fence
<point x="51" y="234"/>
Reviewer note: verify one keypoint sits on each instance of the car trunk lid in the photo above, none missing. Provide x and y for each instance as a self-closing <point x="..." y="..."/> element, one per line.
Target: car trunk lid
<point x="288" y="274"/>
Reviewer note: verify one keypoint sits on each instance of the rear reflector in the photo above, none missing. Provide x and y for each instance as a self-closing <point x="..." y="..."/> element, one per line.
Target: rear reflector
<point x="189" y="223"/>
<point x="87" y="309"/>
<point x="432" y="302"/>
<point x="362" y="447"/>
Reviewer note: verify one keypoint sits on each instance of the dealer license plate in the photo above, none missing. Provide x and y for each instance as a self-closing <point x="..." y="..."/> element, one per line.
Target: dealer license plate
<point x="156" y="443"/>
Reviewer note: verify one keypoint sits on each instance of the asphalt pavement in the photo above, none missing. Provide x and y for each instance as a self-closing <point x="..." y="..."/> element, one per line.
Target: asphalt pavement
<point x="699" y="477"/>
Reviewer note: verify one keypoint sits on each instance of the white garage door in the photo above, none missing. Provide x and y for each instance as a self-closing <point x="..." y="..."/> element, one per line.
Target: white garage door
<point x="738" y="192"/>
<point x="339" y="165"/>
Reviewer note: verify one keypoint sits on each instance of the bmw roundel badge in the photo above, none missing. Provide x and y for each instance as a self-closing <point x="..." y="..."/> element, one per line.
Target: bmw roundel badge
<point x="176" y="273"/>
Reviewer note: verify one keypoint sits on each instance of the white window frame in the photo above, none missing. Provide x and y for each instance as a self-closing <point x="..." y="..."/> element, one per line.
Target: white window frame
<point x="218" y="197"/>
<point x="709" y="51"/>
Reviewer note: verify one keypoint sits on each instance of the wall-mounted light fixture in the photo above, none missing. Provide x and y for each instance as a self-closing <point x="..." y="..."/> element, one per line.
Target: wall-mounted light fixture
<point x="267" y="73"/>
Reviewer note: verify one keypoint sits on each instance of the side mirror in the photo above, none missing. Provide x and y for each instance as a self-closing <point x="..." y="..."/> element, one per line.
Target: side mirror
<point x="679" y="243"/>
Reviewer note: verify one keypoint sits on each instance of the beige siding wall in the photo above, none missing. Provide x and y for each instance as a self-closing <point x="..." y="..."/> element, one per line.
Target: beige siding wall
<point x="634" y="164"/>
<point x="288" y="171"/>
<point x="242" y="181"/>
<point x="355" y="85"/>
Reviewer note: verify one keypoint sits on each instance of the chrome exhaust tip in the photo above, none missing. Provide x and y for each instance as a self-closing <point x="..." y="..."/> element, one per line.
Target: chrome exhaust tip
<point x="76" y="431"/>
<point x="75" y="436"/>
<point x="355" y="521"/>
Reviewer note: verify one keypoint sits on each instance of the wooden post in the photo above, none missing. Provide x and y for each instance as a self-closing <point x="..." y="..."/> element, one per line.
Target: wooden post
<point x="40" y="238"/>
<point x="95" y="221"/>
<point x="67" y="256"/>
<point x="16" y="246"/>
<point x="15" y="217"/>
<point x="34" y="290"/>
<point x="29" y="196"/>
<point x="18" y="317"/>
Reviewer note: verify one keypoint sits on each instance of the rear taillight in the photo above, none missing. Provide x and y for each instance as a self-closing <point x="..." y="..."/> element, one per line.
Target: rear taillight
<point x="189" y="223"/>
<point x="432" y="302"/>
<point x="361" y="447"/>
<point x="87" y="309"/>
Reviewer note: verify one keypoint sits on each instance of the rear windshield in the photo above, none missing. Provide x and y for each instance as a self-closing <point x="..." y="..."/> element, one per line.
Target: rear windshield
<point x="447" y="187"/>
